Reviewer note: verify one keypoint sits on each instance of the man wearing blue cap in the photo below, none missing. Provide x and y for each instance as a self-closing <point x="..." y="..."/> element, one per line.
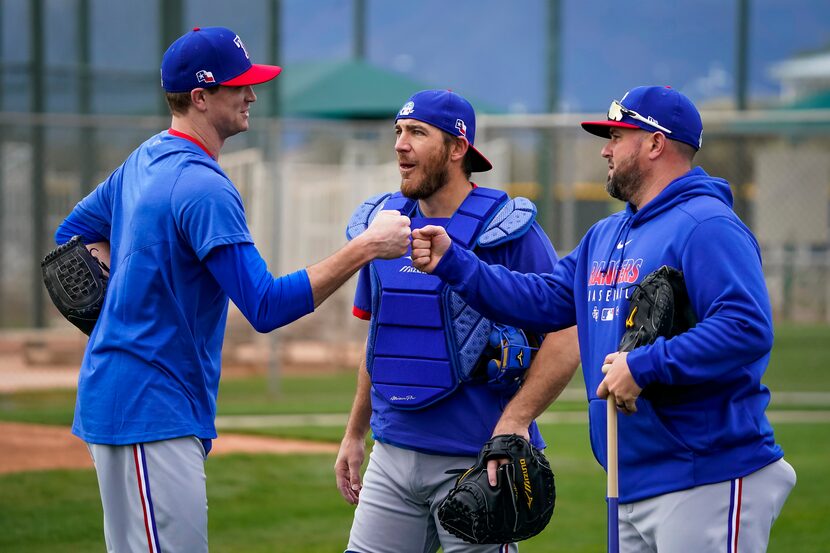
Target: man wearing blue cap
<point x="699" y="469"/>
<point x="425" y="387"/>
<point x="179" y="247"/>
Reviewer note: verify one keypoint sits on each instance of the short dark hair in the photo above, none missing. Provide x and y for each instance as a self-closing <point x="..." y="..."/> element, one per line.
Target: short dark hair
<point x="467" y="165"/>
<point x="686" y="150"/>
<point x="179" y="102"/>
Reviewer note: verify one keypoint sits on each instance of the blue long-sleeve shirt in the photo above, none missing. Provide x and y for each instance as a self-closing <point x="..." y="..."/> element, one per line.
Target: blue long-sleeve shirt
<point x="179" y="247"/>
<point x="705" y="420"/>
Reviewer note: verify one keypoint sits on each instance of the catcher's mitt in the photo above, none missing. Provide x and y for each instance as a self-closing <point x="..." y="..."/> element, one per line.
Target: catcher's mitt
<point x="659" y="306"/>
<point x="76" y="282"/>
<point x="517" y="508"/>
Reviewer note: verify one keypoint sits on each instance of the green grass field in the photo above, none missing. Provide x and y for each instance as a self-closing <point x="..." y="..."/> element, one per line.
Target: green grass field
<point x="266" y="503"/>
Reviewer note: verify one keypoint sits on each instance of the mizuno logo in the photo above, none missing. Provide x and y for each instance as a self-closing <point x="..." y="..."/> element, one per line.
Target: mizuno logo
<point x="528" y="489"/>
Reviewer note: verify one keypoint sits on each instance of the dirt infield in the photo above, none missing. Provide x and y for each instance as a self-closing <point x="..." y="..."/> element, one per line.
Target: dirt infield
<point x="28" y="447"/>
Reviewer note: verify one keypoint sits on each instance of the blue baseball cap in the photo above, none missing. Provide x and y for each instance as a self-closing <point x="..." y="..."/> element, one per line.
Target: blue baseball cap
<point x="451" y="113"/>
<point x="653" y="108"/>
<point x="211" y="56"/>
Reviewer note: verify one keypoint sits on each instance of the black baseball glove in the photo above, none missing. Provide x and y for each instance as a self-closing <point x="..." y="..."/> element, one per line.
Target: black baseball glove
<point x="517" y="508"/>
<point x="76" y="282"/>
<point x="659" y="306"/>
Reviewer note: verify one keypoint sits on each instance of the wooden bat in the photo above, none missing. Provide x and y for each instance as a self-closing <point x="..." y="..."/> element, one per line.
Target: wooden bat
<point x="613" y="489"/>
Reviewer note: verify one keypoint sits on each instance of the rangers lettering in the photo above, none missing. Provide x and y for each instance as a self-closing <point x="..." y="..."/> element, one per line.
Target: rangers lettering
<point x="626" y="271"/>
<point x="610" y="273"/>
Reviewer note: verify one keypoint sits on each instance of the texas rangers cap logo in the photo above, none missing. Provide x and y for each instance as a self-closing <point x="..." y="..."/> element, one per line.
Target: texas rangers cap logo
<point x="239" y="44"/>
<point x="205" y="76"/>
<point x="461" y="126"/>
<point x="407" y="108"/>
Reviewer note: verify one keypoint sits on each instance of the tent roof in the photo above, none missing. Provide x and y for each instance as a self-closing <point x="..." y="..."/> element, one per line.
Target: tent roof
<point x="346" y="89"/>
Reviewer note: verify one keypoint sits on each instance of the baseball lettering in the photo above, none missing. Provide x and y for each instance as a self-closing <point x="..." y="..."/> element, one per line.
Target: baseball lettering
<point x="528" y="488"/>
<point x="239" y="44"/>
<point x="626" y="272"/>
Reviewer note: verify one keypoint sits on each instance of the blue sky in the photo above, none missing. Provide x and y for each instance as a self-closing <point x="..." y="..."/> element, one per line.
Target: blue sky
<point x="490" y="50"/>
<point x="495" y="49"/>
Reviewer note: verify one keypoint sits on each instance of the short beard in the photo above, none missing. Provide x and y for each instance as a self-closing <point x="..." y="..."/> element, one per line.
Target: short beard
<point x="436" y="175"/>
<point x="626" y="181"/>
<point x="432" y="183"/>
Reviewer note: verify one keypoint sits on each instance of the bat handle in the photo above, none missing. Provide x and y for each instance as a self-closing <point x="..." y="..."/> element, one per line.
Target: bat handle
<point x="613" y="488"/>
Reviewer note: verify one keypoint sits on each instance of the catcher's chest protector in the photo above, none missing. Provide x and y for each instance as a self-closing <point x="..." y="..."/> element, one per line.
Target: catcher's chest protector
<point x="423" y="339"/>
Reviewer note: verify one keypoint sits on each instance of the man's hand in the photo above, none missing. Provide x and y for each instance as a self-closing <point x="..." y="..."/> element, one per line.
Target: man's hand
<point x="505" y="426"/>
<point x="388" y="236"/>
<point x="347" y="468"/>
<point x="429" y="244"/>
<point x="618" y="381"/>
<point x="101" y="252"/>
<point x="551" y="370"/>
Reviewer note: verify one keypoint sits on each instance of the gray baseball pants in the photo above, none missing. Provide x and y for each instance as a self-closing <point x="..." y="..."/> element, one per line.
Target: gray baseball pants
<point x="398" y="507"/>
<point x="154" y="496"/>
<point x="728" y="517"/>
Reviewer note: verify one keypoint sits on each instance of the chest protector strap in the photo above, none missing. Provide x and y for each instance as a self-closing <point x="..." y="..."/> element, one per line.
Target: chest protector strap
<point x="423" y="339"/>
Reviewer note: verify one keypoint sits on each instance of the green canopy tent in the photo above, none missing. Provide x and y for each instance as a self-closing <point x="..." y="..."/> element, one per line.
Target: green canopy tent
<point x="347" y="89"/>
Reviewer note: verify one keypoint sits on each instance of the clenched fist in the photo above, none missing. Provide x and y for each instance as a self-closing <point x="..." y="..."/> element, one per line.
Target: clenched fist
<point x="429" y="244"/>
<point x="388" y="236"/>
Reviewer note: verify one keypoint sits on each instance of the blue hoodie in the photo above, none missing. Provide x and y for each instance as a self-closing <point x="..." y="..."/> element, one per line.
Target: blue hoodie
<point x="703" y="421"/>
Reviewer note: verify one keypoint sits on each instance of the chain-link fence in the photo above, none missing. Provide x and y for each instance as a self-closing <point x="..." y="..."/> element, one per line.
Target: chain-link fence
<point x="301" y="179"/>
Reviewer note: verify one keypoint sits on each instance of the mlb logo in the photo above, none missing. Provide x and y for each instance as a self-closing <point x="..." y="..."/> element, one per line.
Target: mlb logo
<point x="407" y="108"/>
<point x="205" y="77"/>
<point x="462" y="128"/>
<point x="608" y="314"/>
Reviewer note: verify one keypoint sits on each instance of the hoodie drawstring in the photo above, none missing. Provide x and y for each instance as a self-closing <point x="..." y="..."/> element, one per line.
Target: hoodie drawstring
<point x="618" y="243"/>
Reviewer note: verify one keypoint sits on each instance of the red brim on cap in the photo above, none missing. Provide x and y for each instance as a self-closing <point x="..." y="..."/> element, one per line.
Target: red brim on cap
<point x="480" y="163"/>
<point x="603" y="128"/>
<point x="257" y="74"/>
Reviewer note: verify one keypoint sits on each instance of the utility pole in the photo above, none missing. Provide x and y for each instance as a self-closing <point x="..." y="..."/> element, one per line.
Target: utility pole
<point x="171" y="22"/>
<point x="273" y="145"/>
<point x="2" y="169"/>
<point x="742" y="155"/>
<point x="547" y="154"/>
<point x="86" y="148"/>
<point x="358" y="30"/>
<point x="36" y="106"/>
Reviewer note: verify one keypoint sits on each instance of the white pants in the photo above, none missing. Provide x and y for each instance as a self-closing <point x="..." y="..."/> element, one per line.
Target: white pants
<point x="728" y="517"/>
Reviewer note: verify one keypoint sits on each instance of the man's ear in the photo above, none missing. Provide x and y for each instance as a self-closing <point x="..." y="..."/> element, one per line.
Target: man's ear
<point x="657" y="143"/>
<point x="459" y="148"/>
<point x="198" y="99"/>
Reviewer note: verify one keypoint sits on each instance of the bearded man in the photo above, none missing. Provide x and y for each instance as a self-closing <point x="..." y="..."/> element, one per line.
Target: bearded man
<point x="699" y="467"/>
<point x="426" y="387"/>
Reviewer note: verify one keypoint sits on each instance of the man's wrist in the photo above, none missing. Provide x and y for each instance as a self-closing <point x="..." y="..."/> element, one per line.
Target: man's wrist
<point x="448" y="268"/>
<point x="365" y="249"/>
<point x="354" y="436"/>
<point x="512" y="424"/>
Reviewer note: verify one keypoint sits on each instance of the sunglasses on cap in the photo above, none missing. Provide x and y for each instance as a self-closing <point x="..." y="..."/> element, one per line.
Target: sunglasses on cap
<point x="617" y="110"/>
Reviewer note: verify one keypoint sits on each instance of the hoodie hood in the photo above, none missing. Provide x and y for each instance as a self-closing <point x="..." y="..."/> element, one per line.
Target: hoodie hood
<point x="695" y="183"/>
